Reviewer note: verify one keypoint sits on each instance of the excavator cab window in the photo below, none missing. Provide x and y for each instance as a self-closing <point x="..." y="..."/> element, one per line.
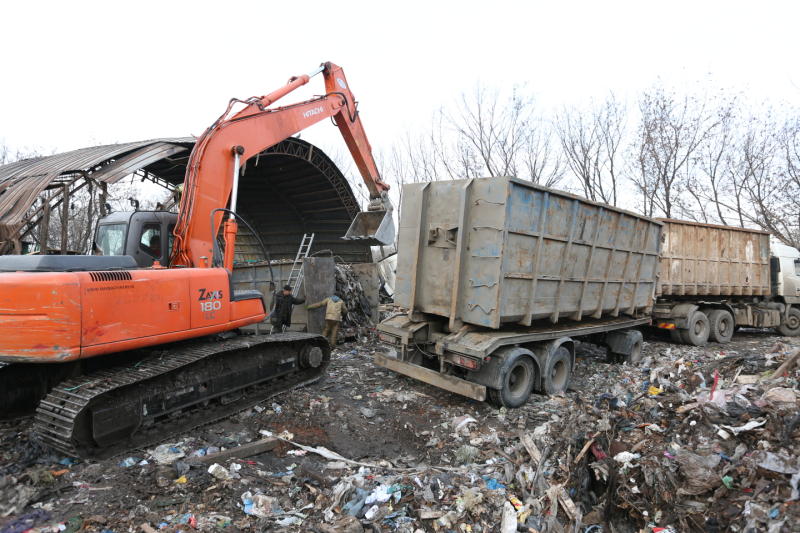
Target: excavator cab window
<point x="111" y="239"/>
<point x="171" y="237"/>
<point x="150" y="241"/>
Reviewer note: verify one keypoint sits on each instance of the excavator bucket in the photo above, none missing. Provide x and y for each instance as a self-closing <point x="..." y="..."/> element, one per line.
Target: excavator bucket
<point x="375" y="228"/>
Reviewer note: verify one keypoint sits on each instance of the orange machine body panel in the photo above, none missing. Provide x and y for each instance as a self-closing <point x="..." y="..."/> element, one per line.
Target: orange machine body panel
<point x="40" y="317"/>
<point x="51" y="317"/>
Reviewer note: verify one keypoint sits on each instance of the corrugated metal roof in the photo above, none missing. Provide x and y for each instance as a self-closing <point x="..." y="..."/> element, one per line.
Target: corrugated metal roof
<point x="22" y="181"/>
<point x="289" y="189"/>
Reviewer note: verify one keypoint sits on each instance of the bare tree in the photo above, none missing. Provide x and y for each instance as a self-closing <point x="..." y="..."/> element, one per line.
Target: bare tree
<point x="670" y="133"/>
<point x="485" y="134"/>
<point x="490" y="133"/>
<point x="708" y="182"/>
<point x="770" y="160"/>
<point x="542" y="158"/>
<point x="591" y="142"/>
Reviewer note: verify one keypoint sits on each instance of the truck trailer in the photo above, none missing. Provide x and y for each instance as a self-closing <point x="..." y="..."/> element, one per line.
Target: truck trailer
<point x="501" y="277"/>
<point x="715" y="279"/>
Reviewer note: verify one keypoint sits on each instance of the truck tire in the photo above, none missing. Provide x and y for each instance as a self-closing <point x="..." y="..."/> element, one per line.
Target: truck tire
<point x="721" y="325"/>
<point x="557" y="372"/>
<point x="698" y="329"/>
<point x="791" y="325"/>
<point x="518" y="376"/>
<point x="635" y="356"/>
<point x="625" y="346"/>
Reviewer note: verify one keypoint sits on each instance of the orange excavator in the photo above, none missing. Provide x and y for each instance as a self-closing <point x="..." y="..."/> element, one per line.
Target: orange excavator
<point x="171" y="356"/>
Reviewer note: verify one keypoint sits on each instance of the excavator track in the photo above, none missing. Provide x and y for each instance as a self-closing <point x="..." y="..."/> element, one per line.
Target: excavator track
<point x="174" y="390"/>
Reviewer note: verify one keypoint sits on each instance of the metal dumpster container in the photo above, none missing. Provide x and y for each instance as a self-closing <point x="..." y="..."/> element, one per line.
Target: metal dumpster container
<point x="493" y="251"/>
<point x="706" y="259"/>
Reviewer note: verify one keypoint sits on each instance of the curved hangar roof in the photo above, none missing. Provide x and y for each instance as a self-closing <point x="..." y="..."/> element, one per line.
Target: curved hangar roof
<point x="289" y="189"/>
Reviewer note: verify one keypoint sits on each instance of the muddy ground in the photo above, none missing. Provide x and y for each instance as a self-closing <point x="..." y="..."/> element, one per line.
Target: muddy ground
<point x="434" y="461"/>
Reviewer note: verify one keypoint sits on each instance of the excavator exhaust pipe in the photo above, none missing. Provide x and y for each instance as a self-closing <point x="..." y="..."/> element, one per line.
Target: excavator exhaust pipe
<point x="375" y="228"/>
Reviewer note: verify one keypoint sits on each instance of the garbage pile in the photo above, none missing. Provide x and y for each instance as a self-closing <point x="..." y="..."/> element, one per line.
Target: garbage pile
<point x="691" y="439"/>
<point x="351" y="291"/>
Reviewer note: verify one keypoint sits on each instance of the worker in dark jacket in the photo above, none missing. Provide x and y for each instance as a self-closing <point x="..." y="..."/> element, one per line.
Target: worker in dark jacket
<point x="281" y="316"/>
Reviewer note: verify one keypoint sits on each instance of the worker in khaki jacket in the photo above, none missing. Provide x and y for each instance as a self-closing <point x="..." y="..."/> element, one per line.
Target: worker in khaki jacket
<point x="334" y="310"/>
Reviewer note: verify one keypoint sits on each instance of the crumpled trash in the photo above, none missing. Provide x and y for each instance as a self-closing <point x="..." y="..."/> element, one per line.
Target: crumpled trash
<point x="776" y="463"/>
<point x="699" y="472"/>
<point x="751" y="425"/>
<point x="379" y="495"/>
<point x="288" y="521"/>
<point x="219" y="472"/>
<point x="493" y="484"/>
<point x="339" y="493"/>
<point x="626" y="458"/>
<point x="467" y="454"/>
<point x="25" y="522"/>
<point x="461" y="424"/>
<point x="783" y="398"/>
<point x="468" y="499"/>
<point x="129" y="462"/>
<point x="508" y="523"/>
<point x="356" y="504"/>
<point x="260" y="505"/>
<point x="372" y="512"/>
<point x="795" y="483"/>
<point x="166" y="454"/>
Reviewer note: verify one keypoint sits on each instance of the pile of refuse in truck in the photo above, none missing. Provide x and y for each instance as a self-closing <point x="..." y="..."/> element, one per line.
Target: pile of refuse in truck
<point x="691" y="439"/>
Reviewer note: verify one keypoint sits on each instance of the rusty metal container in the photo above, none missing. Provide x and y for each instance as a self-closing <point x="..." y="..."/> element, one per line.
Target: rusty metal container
<point x="706" y="259"/>
<point x="495" y="251"/>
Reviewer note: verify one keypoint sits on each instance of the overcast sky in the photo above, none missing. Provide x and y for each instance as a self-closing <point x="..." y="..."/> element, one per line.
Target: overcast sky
<point x="81" y="73"/>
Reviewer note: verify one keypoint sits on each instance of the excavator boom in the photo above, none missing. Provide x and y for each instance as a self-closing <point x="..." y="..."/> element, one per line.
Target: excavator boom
<point x="212" y="174"/>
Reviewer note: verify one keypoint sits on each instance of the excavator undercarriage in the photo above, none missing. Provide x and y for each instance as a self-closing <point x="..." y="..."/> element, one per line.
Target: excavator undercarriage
<point x="171" y="389"/>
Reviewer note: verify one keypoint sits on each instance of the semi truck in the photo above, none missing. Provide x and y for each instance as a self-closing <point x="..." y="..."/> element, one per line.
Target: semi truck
<point x="716" y="279"/>
<point x="501" y="278"/>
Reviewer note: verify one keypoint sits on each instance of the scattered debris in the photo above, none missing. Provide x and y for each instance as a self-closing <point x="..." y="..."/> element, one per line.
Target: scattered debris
<point x="628" y="448"/>
<point x="349" y="288"/>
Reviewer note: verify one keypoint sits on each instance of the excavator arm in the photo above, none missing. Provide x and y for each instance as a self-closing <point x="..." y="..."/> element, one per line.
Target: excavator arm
<point x="211" y="184"/>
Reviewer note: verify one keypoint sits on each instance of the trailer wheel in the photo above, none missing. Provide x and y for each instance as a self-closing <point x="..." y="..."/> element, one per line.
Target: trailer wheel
<point x="791" y="327"/>
<point x="698" y="329"/>
<point x="720" y="325"/>
<point x="518" y="376"/>
<point x="635" y="356"/>
<point x="557" y="371"/>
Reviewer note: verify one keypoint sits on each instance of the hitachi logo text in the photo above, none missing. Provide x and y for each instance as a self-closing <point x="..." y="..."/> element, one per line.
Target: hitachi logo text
<point x="312" y="112"/>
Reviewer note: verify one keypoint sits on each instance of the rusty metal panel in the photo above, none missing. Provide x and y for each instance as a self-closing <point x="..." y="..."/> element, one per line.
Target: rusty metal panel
<point x="318" y="283"/>
<point x="706" y="259"/>
<point x="496" y="251"/>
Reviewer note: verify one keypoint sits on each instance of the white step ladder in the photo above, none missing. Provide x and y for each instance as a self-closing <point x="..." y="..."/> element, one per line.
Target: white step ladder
<point x="296" y="274"/>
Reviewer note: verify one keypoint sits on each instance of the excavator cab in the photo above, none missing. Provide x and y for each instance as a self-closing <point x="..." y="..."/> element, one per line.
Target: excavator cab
<point x="144" y="235"/>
